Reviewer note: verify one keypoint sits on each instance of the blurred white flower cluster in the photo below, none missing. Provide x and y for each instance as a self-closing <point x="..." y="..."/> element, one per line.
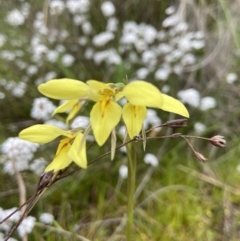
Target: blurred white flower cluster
<point x="192" y="97"/>
<point x="24" y="228"/>
<point x="155" y="53"/>
<point x="18" y="155"/>
<point x="42" y="108"/>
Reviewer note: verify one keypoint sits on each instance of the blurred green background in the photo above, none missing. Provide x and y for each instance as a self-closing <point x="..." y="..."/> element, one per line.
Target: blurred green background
<point x="181" y="199"/>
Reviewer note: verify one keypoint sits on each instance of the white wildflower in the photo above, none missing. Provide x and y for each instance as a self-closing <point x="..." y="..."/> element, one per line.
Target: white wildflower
<point x="170" y="10"/>
<point x="56" y="7"/>
<point x="7" y="55"/>
<point x="2" y="95"/>
<point x="148" y="32"/>
<point x="165" y="88"/>
<point x="63" y="34"/>
<point x="19" y="89"/>
<point x="151" y="159"/>
<point x="122" y="131"/>
<point x="50" y="75"/>
<point x="108" y="9"/>
<point x="79" y="19"/>
<point x="82" y="40"/>
<point x="26" y="226"/>
<point x="140" y="45"/>
<point x="3" y="40"/>
<point x="184" y="44"/>
<point x="197" y="44"/>
<point x="170" y="21"/>
<point x="60" y="48"/>
<point x="18" y="151"/>
<point x="190" y="96"/>
<point x="32" y="69"/>
<point x="174" y="56"/>
<point x="199" y="127"/>
<point x="231" y="78"/>
<point x="112" y="24"/>
<point x="78" y="6"/>
<point x="188" y="59"/>
<point x="38" y="165"/>
<point x="199" y="35"/>
<point x="164" y="48"/>
<point x="113" y="58"/>
<point x="87" y="28"/>
<point x="161" y="35"/>
<point x="108" y="56"/>
<point x="151" y="119"/>
<point x="46" y="218"/>
<point x="67" y="60"/>
<point x="123" y="171"/>
<point x="102" y="38"/>
<point x="181" y="27"/>
<point x="89" y="53"/>
<point x="80" y="122"/>
<point x="56" y="123"/>
<point x="15" y="18"/>
<point x="178" y="69"/>
<point x="149" y="57"/>
<point x="142" y="73"/>
<point x="207" y="103"/>
<point x="42" y="108"/>
<point x="162" y="73"/>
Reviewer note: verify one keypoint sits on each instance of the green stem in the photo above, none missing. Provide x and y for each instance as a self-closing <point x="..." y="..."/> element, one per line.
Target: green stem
<point x="131" y="152"/>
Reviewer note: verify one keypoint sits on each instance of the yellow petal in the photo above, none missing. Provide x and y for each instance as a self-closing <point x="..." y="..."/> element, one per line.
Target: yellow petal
<point x="95" y="88"/>
<point x="65" y="106"/>
<point x="143" y="93"/>
<point x="103" y="120"/>
<point x="175" y="106"/>
<point x="77" y="155"/>
<point x="75" y="109"/>
<point x="61" y="160"/>
<point x="42" y="133"/>
<point x="133" y="117"/>
<point x="64" y="89"/>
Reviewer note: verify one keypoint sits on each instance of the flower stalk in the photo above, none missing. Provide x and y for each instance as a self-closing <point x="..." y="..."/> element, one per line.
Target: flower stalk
<point x="132" y="159"/>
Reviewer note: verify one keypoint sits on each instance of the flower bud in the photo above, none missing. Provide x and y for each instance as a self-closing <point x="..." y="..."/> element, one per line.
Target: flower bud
<point x="200" y="157"/>
<point x="218" y="141"/>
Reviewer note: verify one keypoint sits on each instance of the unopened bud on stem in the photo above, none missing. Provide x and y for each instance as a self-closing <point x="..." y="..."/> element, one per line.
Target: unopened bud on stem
<point x="218" y="141"/>
<point x="200" y="157"/>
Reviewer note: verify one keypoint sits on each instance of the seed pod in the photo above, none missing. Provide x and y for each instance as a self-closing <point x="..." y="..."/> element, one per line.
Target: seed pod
<point x="176" y="123"/>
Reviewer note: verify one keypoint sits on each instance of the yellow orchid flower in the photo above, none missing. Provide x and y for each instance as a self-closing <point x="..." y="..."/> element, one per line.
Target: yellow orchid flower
<point x="141" y="94"/>
<point x="68" y="149"/>
<point x="106" y="113"/>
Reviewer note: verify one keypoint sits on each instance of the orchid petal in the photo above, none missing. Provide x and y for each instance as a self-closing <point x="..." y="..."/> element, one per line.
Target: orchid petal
<point x="95" y="88"/>
<point x="133" y="117"/>
<point x="78" y="155"/>
<point x="75" y="109"/>
<point x="64" y="89"/>
<point x="143" y="93"/>
<point x="43" y="133"/>
<point x="103" y="119"/>
<point x="175" y="106"/>
<point x="61" y="159"/>
<point x="65" y="106"/>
